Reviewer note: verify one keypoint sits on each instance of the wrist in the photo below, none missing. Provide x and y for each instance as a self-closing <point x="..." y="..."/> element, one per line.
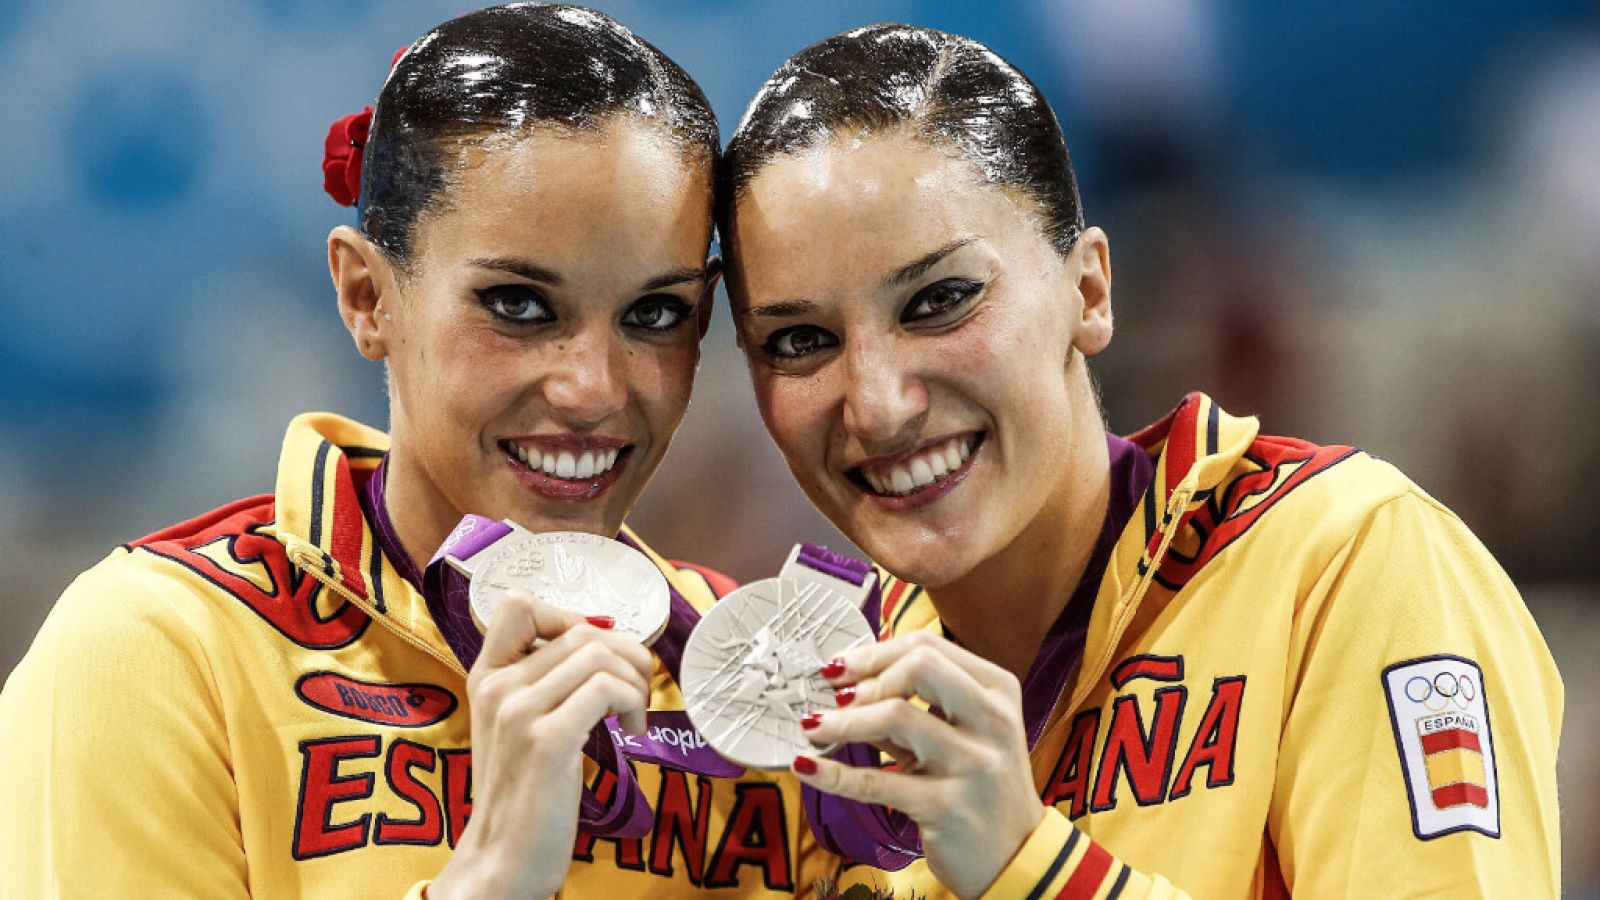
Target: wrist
<point x="474" y="872"/>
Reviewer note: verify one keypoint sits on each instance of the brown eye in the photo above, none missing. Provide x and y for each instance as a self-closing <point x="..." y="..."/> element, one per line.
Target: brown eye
<point x="515" y="303"/>
<point x="939" y="297"/>
<point x="798" y="341"/>
<point x="661" y="312"/>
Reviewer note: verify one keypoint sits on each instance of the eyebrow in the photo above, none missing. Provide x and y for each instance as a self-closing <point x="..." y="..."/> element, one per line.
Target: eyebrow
<point x="535" y="272"/>
<point x="520" y="267"/>
<point x="901" y="276"/>
<point x="783" y="309"/>
<point x="676" y="276"/>
<point x="915" y="270"/>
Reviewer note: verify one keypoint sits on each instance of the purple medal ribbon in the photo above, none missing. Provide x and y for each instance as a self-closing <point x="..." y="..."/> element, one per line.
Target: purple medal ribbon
<point x="860" y="832"/>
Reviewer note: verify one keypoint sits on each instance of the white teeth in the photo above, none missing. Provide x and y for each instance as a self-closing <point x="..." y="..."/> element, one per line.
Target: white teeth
<point x="900" y="481"/>
<point x="922" y="470"/>
<point x="563" y="464"/>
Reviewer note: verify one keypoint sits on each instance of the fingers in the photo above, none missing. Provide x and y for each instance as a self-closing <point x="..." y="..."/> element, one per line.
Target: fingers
<point x="599" y="696"/>
<point x="911" y="794"/>
<point x="871" y="659"/>
<point x="971" y="691"/>
<point x="540" y="682"/>
<point x="918" y="741"/>
<point x="519" y="620"/>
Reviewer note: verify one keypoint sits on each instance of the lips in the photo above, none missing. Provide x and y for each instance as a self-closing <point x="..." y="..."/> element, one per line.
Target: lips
<point x="920" y="475"/>
<point x="567" y="467"/>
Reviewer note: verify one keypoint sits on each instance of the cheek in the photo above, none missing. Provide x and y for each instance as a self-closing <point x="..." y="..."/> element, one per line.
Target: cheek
<point x="794" y="411"/>
<point x="662" y="377"/>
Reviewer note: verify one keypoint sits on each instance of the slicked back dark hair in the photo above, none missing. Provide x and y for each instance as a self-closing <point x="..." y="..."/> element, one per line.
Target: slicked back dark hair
<point x="950" y="91"/>
<point x="502" y="70"/>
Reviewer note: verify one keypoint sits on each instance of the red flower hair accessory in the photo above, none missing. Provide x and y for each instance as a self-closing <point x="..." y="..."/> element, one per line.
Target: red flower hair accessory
<point x="344" y="151"/>
<point x="342" y="155"/>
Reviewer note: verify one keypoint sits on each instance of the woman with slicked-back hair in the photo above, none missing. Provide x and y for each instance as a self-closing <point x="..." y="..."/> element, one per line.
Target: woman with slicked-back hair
<point x="286" y="697"/>
<point x="1200" y="660"/>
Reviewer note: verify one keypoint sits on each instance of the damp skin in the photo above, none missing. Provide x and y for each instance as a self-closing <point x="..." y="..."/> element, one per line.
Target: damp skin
<point x="502" y="71"/>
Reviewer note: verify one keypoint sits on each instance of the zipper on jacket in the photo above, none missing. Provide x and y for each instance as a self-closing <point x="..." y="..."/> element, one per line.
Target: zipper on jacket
<point x="311" y="560"/>
<point x="1177" y="503"/>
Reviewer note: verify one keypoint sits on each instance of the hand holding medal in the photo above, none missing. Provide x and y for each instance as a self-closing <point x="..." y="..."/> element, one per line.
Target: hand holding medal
<point x="554" y="663"/>
<point x="751" y="671"/>
<point x="963" y="774"/>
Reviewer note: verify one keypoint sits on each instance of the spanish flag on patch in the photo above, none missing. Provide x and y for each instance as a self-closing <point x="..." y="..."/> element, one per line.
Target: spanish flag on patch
<point x="1454" y="760"/>
<point x="1440" y="717"/>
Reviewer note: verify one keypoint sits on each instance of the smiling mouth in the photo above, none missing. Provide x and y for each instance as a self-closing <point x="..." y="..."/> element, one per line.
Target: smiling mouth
<point x="930" y="468"/>
<point x="566" y="474"/>
<point x="564" y="464"/>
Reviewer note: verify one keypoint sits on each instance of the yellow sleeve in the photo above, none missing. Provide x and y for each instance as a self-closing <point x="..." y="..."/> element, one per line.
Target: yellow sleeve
<point x="1060" y="861"/>
<point x="118" y="779"/>
<point x="1409" y="629"/>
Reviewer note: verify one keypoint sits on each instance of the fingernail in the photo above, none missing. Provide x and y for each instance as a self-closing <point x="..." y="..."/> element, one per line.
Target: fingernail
<point x="810" y="720"/>
<point x="844" y="695"/>
<point x="805" y="765"/>
<point x="834" y="668"/>
<point x="605" y="622"/>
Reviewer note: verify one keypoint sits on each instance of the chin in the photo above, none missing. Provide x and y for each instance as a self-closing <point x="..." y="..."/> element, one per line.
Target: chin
<point x="930" y="563"/>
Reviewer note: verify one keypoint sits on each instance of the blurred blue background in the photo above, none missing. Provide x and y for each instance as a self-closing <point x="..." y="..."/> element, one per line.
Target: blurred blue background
<point x="1369" y="222"/>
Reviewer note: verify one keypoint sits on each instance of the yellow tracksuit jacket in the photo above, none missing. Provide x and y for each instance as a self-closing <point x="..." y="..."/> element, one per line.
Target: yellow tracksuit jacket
<point x="1302" y="676"/>
<point x="255" y="703"/>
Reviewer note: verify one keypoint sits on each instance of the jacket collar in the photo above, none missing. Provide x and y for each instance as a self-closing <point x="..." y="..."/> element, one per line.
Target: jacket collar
<point x="325" y="461"/>
<point x="1196" y="446"/>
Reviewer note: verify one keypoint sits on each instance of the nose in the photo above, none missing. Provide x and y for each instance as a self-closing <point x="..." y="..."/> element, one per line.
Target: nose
<point x="885" y="402"/>
<point x="585" y="382"/>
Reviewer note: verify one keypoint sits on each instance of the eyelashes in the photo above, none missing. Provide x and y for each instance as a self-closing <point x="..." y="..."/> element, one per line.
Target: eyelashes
<point x="936" y="305"/>
<point x="524" y="305"/>
<point x="657" y="313"/>
<point x="938" y="299"/>
<point x="516" y="303"/>
<point x="798" y="341"/>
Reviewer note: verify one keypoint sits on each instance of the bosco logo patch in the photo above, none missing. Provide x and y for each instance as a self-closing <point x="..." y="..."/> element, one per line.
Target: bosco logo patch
<point x="1441" y="728"/>
<point x="400" y="705"/>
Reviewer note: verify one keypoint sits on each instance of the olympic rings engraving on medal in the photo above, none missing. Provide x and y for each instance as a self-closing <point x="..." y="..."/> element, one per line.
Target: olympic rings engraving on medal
<point x="582" y="573"/>
<point x="1442" y="691"/>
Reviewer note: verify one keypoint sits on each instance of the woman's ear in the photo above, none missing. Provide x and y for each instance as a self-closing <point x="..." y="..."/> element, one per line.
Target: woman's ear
<point x="1091" y="263"/>
<point x="364" y="280"/>
<point x="708" y="298"/>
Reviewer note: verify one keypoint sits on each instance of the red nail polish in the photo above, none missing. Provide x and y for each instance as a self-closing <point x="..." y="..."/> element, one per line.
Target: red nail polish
<point x="810" y="720"/>
<point x="805" y="765"/>
<point x="605" y="622"/>
<point x="834" y="668"/>
<point x="843" y="696"/>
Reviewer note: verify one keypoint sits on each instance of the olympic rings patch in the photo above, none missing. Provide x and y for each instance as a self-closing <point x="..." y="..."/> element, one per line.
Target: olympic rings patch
<point x="1439" y="709"/>
<point x="1445" y="690"/>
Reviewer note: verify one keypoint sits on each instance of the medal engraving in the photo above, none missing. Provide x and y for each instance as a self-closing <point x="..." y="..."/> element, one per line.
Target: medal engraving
<point x="751" y="667"/>
<point x="582" y="573"/>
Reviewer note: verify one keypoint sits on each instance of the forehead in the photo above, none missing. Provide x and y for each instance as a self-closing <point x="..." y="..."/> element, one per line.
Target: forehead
<point x="862" y="207"/>
<point x="625" y="187"/>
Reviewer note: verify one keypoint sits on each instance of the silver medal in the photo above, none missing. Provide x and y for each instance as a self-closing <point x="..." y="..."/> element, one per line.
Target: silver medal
<point x="751" y="667"/>
<point x="581" y="573"/>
